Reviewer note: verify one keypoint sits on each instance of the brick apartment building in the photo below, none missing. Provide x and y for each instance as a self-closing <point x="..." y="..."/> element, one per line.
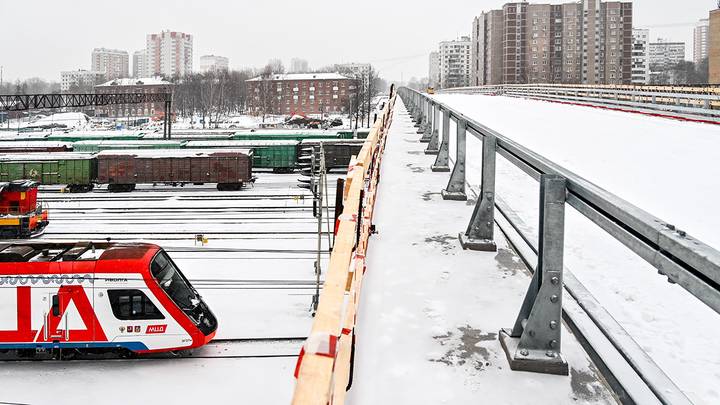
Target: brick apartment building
<point x="139" y="85"/>
<point x="588" y="42"/>
<point x="301" y="93"/>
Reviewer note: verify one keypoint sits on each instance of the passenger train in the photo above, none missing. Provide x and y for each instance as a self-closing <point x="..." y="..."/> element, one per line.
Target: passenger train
<point x="97" y="298"/>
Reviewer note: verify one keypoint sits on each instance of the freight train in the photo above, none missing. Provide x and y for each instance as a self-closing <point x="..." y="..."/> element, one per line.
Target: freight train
<point x="20" y="214"/>
<point x="98" y="297"/>
<point x="122" y="170"/>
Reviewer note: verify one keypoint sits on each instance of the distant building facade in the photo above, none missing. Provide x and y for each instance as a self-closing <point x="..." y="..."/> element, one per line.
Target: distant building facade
<point x="641" y="56"/>
<point x="169" y="54"/>
<point x="214" y="63"/>
<point x="588" y="41"/>
<point x="434" y="69"/>
<point x="81" y="79"/>
<point x="701" y="41"/>
<point x="455" y="63"/>
<point x="355" y="70"/>
<point x="139" y="63"/>
<point x="113" y="62"/>
<point x="136" y="85"/>
<point x="714" y="47"/>
<point x="301" y="93"/>
<point x="665" y="55"/>
<point x="298" y="65"/>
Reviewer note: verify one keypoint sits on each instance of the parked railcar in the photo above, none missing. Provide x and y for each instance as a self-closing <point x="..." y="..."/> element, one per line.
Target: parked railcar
<point x="20" y="214"/>
<point x="122" y="170"/>
<point x="280" y="156"/>
<point x="97" y="146"/>
<point x="338" y="153"/>
<point x="75" y="170"/>
<point x="34" y="147"/>
<point x="98" y="297"/>
<point x="290" y="135"/>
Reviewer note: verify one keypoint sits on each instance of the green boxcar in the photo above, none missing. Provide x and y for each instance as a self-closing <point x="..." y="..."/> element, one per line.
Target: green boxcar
<point x="90" y="136"/>
<point x="75" y="170"/>
<point x="287" y="135"/>
<point x="281" y="156"/>
<point x="97" y="146"/>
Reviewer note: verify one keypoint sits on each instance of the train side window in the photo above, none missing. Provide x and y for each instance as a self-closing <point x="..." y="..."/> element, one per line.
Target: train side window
<point x="132" y="305"/>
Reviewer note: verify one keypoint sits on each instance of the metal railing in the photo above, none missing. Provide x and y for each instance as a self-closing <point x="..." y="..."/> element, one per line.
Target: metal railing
<point x="700" y="102"/>
<point x="534" y="342"/>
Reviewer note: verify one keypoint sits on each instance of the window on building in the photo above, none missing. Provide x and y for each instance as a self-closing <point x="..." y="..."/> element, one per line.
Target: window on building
<point x="131" y="305"/>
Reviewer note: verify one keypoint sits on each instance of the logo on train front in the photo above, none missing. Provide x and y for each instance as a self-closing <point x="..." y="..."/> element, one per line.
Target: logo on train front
<point x="156" y="329"/>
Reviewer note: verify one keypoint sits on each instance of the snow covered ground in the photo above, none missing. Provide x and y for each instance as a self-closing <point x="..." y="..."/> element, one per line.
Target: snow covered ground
<point x="256" y="274"/>
<point x="668" y="168"/>
<point x="430" y="312"/>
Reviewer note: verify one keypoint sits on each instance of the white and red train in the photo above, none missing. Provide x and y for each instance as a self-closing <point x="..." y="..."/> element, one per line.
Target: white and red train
<point x="98" y="297"/>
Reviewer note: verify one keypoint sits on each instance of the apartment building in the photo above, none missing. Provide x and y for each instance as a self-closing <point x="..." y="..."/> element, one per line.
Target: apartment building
<point x="641" y="56"/>
<point x="81" y="80"/>
<point x="455" y="63"/>
<point x="139" y="85"/>
<point x="139" y="63"/>
<point x="714" y="47"/>
<point x="113" y="62"/>
<point x="434" y="69"/>
<point x="665" y="55"/>
<point x="214" y="63"/>
<point x="701" y="41"/>
<point x="589" y="41"/>
<point x="301" y="93"/>
<point x="168" y="54"/>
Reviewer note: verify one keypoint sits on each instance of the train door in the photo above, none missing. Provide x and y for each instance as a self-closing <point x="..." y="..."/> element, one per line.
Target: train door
<point x="70" y="316"/>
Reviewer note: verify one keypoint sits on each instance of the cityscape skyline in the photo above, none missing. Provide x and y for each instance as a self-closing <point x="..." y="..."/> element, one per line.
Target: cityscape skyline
<point x="209" y="28"/>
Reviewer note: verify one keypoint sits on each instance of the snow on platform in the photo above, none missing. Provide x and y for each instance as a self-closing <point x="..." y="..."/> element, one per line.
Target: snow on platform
<point x="430" y="312"/>
<point x="666" y="167"/>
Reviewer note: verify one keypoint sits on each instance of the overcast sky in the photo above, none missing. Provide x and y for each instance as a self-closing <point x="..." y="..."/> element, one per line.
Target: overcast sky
<point x="43" y="37"/>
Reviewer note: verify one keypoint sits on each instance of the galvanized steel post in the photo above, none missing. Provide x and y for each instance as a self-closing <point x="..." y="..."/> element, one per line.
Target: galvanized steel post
<point x="434" y="145"/>
<point x="443" y="158"/>
<point x="534" y="342"/>
<point x="429" y="121"/>
<point x="480" y="232"/>
<point x="455" y="189"/>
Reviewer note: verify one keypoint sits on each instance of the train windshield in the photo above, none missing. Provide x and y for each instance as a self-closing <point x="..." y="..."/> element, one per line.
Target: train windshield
<point x="173" y="282"/>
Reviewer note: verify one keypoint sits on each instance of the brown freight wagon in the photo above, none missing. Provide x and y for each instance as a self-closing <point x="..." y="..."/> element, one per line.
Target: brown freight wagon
<point x="121" y="170"/>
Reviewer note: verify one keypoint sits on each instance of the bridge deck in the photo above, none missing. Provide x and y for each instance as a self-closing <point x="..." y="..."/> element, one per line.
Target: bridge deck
<point x="430" y="312"/>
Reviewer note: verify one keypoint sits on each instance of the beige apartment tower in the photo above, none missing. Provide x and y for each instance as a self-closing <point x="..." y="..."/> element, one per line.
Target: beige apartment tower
<point x="714" y="47"/>
<point x="589" y="41"/>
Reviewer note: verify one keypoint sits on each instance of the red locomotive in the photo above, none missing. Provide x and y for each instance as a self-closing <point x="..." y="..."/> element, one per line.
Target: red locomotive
<point x="98" y="297"/>
<point x="20" y="214"/>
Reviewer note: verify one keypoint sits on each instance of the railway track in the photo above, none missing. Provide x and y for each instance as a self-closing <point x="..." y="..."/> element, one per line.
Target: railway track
<point x="244" y="348"/>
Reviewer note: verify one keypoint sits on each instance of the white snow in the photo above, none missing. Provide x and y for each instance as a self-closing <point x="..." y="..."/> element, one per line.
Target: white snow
<point x="430" y="312"/>
<point x="666" y="167"/>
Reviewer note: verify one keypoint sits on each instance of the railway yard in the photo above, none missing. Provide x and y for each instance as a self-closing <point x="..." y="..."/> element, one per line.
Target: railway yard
<point x="249" y="253"/>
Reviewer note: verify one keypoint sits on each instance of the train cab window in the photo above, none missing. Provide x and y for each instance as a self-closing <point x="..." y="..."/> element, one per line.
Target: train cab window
<point x="173" y="282"/>
<point x="132" y="305"/>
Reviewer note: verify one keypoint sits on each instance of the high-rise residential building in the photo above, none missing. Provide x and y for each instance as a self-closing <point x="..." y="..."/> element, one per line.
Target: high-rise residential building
<point x="355" y="70"/>
<point x="213" y="63"/>
<point x="434" y="69"/>
<point x="139" y="63"/>
<point x="701" y="41"/>
<point x="81" y="80"/>
<point x="113" y="62"/>
<point x="665" y="55"/>
<point x="169" y="54"/>
<point x="588" y="41"/>
<point x="298" y="65"/>
<point x="714" y="47"/>
<point x="641" y="56"/>
<point x="455" y="63"/>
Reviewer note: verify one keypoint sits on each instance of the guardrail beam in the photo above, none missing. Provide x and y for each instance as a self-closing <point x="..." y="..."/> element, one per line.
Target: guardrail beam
<point x="534" y="343"/>
<point x="442" y="160"/>
<point x="480" y="232"/>
<point x="455" y="189"/>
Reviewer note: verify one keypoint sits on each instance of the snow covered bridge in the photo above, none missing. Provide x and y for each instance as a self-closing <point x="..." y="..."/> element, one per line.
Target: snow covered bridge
<point x="511" y="263"/>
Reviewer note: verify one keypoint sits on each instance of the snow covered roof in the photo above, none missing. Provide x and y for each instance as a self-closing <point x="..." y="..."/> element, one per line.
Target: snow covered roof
<point x="172" y="153"/>
<point x="142" y="81"/>
<point x="303" y="76"/>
